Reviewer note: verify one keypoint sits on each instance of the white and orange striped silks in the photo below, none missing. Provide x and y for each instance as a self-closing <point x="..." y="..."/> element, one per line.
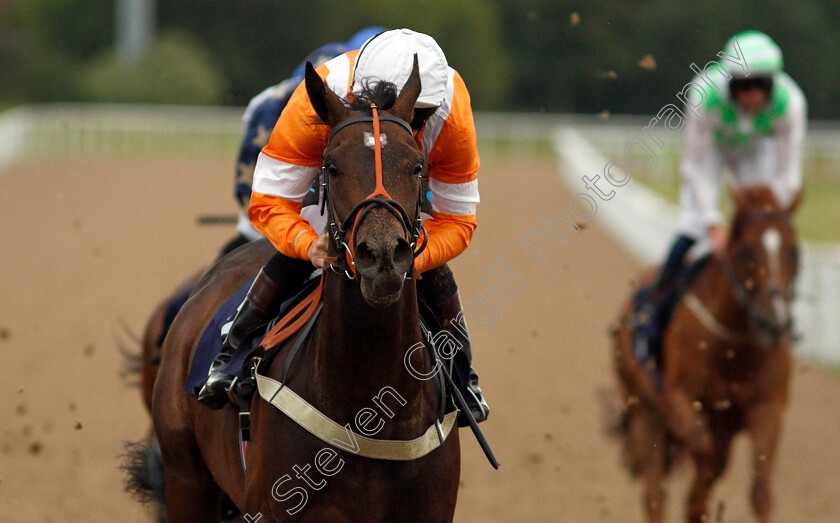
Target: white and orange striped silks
<point x="288" y="165"/>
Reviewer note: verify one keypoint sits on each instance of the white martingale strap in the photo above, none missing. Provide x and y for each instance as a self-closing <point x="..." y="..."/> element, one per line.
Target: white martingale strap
<point x="330" y="432"/>
<point x="710" y="322"/>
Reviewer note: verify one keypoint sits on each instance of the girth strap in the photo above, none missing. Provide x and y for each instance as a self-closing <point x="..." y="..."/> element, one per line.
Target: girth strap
<point x="330" y="432"/>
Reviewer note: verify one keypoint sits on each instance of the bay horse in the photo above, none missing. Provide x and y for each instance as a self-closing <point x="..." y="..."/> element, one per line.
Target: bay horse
<point x="357" y="348"/>
<point x="726" y="363"/>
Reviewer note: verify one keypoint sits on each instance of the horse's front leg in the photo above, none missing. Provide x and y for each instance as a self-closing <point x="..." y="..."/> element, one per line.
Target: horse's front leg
<point x="708" y="469"/>
<point x="191" y="494"/>
<point x="764" y="423"/>
<point x="686" y="420"/>
<point x="646" y="446"/>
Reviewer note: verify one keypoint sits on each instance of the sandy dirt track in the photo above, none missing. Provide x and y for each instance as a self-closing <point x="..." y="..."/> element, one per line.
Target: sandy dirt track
<point x="86" y="243"/>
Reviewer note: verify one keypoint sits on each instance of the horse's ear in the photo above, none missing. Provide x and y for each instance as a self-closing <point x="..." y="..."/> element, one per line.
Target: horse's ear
<point x="797" y="200"/>
<point x="404" y="106"/>
<point x="326" y="103"/>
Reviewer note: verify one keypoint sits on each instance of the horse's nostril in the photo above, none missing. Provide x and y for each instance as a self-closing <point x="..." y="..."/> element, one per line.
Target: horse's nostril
<point x="364" y="254"/>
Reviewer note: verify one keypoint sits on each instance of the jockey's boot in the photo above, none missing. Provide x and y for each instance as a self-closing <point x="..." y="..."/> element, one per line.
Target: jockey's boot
<point x="451" y="317"/>
<point x="644" y="325"/>
<point x="650" y="303"/>
<point x="260" y="306"/>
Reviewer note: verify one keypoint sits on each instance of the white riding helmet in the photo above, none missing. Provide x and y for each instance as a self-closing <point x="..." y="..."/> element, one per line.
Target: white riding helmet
<point x="389" y="57"/>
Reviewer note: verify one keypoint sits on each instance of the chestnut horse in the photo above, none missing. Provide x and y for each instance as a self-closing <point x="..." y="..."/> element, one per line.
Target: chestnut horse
<point x="357" y="348"/>
<point x="727" y="363"/>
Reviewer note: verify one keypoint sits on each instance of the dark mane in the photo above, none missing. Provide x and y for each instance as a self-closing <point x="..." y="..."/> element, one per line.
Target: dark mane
<point x="382" y="93"/>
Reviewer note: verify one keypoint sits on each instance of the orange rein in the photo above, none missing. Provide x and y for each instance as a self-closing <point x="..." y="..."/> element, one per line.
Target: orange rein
<point x="286" y="327"/>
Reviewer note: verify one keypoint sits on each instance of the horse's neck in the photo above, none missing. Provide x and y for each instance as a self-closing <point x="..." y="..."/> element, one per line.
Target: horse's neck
<point x="712" y="288"/>
<point x="361" y="350"/>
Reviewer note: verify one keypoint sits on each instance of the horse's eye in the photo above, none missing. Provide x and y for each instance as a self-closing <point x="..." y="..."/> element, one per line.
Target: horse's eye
<point x="331" y="169"/>
<point x="418" y="169"/>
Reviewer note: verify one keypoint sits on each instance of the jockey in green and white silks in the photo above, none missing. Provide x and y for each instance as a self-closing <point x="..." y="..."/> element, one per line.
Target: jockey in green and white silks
<point x="753" y="125"/>
<point x="749" y="118"/>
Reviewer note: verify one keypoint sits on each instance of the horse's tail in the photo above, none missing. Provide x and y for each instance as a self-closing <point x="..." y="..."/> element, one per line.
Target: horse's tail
<point x="613" y="413"/>
<point x="129" y="345"/>
<point x="143" y="467"/>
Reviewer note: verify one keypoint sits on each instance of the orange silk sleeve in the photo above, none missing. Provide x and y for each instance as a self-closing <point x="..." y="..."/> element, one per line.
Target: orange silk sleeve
<point x="280" y="221"/>
<point x="285" y="172"/>
<point x="448" y="237"/>
<point x="453" y="173"/>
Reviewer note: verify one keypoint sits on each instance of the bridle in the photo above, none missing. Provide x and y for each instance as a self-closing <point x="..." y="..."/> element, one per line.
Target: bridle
<point x="761" y="320"/>
<point x="345" y="259"/>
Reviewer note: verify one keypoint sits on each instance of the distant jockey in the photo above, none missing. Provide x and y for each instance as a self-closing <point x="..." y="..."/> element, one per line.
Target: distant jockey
<point x="285" y="170"/>
<point x="752" y="122"/>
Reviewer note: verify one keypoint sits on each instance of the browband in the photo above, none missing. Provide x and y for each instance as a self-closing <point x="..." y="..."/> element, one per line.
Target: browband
<point x="382" y="118"/>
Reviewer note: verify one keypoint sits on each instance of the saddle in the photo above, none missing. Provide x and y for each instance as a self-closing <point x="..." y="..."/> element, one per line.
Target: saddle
<point x="213" y="336"/>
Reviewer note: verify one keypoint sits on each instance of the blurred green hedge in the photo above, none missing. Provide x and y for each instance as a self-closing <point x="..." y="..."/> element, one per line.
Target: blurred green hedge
<point x="175" y="69"/>
<point x="522" y="55"/>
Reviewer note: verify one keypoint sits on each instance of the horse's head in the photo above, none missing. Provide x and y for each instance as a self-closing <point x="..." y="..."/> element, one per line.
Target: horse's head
<point x="762" y="261"/>
<point x="372" y="169"/>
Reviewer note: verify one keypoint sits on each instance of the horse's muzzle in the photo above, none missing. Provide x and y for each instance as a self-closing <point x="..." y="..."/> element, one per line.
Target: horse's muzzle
<point x="771" y="323"/>
<point x="382" y="264"/>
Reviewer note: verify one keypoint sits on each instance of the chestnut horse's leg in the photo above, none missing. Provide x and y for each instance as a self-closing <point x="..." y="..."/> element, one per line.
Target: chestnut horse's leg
<point x="764" y="423"/>
<point x="687" y="422"/>
<point x="708" y="468"/>
<point x="647" y="440"/>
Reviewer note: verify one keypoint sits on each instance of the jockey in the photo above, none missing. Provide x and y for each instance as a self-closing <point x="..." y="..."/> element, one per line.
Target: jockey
<point x="289" y="164"/>
<point x="752" y="122"/>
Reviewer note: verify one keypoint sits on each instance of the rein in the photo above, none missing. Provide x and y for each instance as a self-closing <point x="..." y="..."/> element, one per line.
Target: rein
<point x="378" y="198"/>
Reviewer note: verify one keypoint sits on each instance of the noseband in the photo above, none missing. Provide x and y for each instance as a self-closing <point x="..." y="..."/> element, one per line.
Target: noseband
<point x="345" y="260"/>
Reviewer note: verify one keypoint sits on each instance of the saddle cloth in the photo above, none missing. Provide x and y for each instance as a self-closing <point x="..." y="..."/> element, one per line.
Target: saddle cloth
<point x="653" y="327"/>
<point x="213" y="336"/>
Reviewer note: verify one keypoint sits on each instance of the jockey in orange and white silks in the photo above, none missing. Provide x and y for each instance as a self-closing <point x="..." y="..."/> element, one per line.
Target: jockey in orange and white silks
<point x="286" y="168"/>
<point x="292" y="159"/>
